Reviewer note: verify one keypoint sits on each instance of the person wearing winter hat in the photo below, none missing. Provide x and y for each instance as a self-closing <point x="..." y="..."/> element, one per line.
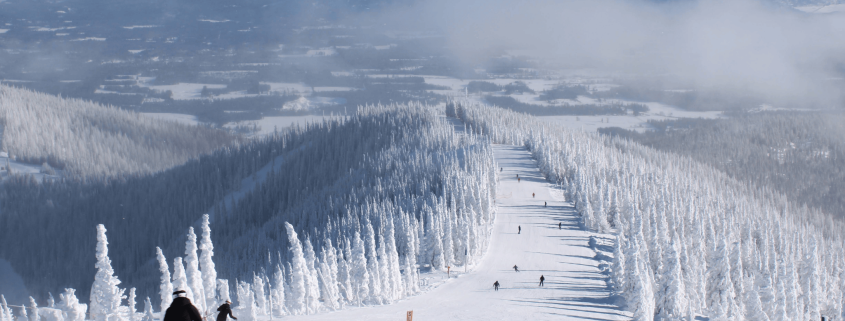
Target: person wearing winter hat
<point x="225" y="310"/>
<point x="181" y="309"/>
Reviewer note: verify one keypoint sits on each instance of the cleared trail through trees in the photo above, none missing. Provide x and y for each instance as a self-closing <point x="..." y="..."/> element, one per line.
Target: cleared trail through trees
<point x="574" y="288"/>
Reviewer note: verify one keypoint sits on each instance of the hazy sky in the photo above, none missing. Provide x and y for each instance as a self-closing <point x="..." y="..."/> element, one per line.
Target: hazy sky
<point x="727" y="45"/>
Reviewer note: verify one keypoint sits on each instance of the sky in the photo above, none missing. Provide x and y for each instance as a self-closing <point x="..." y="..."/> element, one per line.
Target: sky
<point x="730" y="46"/>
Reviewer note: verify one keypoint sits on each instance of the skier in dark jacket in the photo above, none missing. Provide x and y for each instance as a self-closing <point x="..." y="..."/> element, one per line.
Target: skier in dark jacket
<point x="515" y="268"/>
<point x="542" y="279"/>
<point x="496" y="285"/>
<point x="225" y="310"/>
<point x="181" y="309"/>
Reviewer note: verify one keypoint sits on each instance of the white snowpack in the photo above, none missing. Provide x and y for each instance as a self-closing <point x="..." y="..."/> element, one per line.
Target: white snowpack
<point x="179" y="118"/>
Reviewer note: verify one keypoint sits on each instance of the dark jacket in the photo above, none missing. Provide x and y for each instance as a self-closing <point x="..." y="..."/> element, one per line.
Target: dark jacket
<point x="224" y="311"/>
<point x="182" y="310"/>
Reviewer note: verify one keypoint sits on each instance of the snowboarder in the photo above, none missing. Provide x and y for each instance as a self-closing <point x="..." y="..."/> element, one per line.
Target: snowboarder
<point x="496" y="285"/>
<point x="519" y="231"/>
<point x="541" y="280"/>
<point x="225" y="310"/>
<point x="515" y="268"/>
<point x="559" y="225"/>
<point x="181" y="309"/>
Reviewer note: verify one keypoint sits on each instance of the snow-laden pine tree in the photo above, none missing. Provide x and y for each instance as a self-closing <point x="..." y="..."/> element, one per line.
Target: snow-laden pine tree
<point x="223" y="290"/>
<point x="810" y="284"/>
<point x="312" y="283"/>
<point x="277" y="292"/>
<point x="70" y="306"/>
<point x="299" y="275"/>
<point x="4" y="308"/>
<point x="148" y="310"/>
<point x="166" y="287"/>
<point x="374" y="296"/>
<point x="193" y="274"/>
<point x="209" y="273"/>
<point x="105" y="295"/>
<point x="753" y="305"/>
<point x="33" y="309"/>
<point x="131" y="305"/>
<point x="672" y="303"/>
<point x="260" y="297"/>
<point x="360" y="275"/>
<point x="246" y="302"/>
<point x="180" y="279"/>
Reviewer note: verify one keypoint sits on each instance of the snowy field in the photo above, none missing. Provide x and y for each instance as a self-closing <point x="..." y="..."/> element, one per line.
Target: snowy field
<point x="574" y="288"/>
<point x="657" y="111"/>
<point x="270" y="124"/>
<point x="179" y="118"/>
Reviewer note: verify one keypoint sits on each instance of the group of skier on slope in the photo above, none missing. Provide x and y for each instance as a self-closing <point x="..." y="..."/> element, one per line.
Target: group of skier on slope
<point x="181" y="309"/>
<point x="519" y="231"/>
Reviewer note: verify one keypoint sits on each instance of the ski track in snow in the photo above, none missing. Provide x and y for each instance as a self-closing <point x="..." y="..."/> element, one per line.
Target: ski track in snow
<point x="574" y="287"/>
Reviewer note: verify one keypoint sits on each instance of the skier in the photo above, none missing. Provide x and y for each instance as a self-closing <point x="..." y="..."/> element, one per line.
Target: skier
<point x="544" y="204"/>
<point x="496" y="285"/>
<point x="541" y="280"/>
<point x="225" y="310"/>
<point x="559" y="225"/>
<point x="532" y="195"/>
<point x="518" y="179"/>
<point x="501" y="169"/>
<point x="520" y="229"/>
<point x="515" y="268"/>
<point x="181" y="309"/>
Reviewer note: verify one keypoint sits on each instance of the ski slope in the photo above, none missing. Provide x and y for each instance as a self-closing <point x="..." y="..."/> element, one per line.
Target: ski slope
<point x="574" y="288"/>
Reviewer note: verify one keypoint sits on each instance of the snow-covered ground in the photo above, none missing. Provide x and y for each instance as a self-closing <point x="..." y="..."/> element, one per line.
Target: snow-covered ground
<point x="179" y="118"/>
<point x="574" y="287"/>
<point x="270" y="124"/>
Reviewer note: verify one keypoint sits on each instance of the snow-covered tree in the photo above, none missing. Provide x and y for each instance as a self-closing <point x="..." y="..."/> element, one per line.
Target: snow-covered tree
<point x="105" y="295"/>
<point x="193" y="273"/>
<point x="299" y="274"/>
<point x="166" y="287"/>
<point x="33" y="309"/>
<point x="70" y="306"/>
<point x="209" y="274"/>
<point x="180" y="279"/>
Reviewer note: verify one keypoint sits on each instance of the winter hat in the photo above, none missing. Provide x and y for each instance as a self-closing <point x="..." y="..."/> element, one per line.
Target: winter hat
<point x="180" y="293"/>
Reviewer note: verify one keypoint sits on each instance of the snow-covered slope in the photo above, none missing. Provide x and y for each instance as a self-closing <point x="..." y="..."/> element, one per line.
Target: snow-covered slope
<point x="94" y="141"/>
<point x="574" y="288"/>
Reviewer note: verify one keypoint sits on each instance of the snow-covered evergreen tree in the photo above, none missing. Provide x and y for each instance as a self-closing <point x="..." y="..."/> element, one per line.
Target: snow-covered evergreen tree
<point x="193" y="274"/>
<point x="209" y="274"/>
<point x="359" y="272"/>
<point x="33" y="309"/>
<point x="105" y="295"/>
<point x="180" y="279"/>
<point x="70" y="306"/>
<point x="299" y="275"/>
<point x="166" y="287"/>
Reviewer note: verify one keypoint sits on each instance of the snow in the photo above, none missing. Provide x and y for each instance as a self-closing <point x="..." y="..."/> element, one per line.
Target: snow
<point x="179" y="118"/>
<point x="294" y="88"/>
<point x="90" y="39"/>
<point x="137" y="51"/>
<point x="214" y="21"/>
<point x="3" y="30"/>
<point x="185" y="91"/>
<point x="574" y="288"/>
<point x="139" y="27"/>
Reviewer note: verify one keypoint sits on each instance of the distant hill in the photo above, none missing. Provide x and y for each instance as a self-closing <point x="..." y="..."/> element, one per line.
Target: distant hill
<point x="88" y="140"/>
